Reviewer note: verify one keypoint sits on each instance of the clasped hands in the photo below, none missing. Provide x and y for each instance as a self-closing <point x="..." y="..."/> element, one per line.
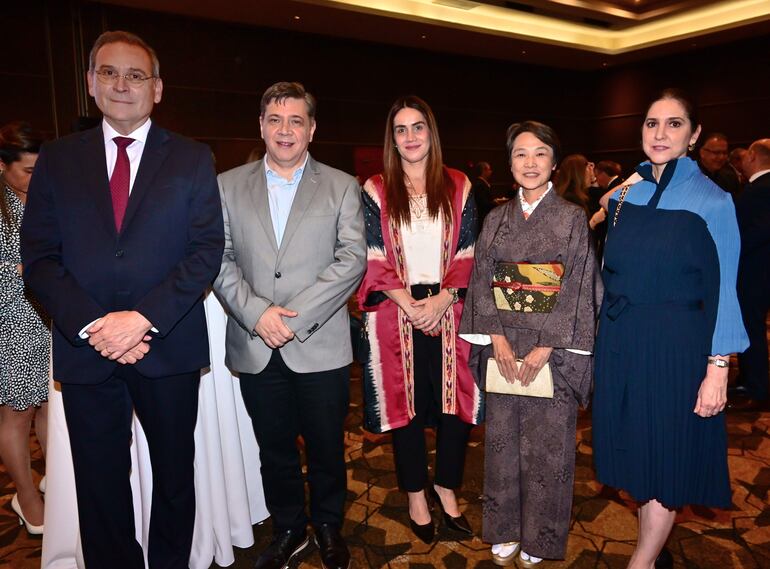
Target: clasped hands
<point x="425" y="314"/>
<point x="121" y="336"/>
<point x="272" y="328"/>
<point x="530" y="366"/>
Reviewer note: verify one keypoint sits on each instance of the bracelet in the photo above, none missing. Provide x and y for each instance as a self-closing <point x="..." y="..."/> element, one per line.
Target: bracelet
<point x="455" y="295"/>
<point x="718" y="362"/>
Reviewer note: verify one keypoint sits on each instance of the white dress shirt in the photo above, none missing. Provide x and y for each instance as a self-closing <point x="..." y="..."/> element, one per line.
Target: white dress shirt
<point x="757" y="175"/>
<point x="134" y="150"/>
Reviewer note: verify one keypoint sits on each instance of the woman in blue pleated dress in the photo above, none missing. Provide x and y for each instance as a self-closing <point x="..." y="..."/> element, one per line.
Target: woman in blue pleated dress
<point x="668" y="324"/>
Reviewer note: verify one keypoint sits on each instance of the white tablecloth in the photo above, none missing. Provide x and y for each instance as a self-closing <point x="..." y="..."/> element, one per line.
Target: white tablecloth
<point x="228" y="486"/>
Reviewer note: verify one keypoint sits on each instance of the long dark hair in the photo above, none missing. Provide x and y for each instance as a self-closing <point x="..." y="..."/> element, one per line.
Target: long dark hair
<point x="16" y="138"/>
<point x="437" y="182"/>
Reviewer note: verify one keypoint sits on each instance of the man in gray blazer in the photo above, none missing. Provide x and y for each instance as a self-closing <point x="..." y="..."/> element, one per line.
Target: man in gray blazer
<point x="295" y="250"/>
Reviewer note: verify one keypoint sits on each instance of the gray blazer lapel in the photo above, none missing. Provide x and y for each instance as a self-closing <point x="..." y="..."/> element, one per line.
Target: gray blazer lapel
<point x="258" y="184"/>
<point x="305" y="192"/>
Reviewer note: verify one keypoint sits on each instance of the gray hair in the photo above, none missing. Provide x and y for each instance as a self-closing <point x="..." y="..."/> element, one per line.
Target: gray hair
<point x="119" y="36"/>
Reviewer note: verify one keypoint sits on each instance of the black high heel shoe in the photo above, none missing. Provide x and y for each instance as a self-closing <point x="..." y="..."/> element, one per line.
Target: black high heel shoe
<point x="458" y="524"/>
<point x="425" y="532"/>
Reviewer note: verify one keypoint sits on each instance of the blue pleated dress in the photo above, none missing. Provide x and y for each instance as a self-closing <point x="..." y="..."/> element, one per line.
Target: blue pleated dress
<point x="669" y="274"/>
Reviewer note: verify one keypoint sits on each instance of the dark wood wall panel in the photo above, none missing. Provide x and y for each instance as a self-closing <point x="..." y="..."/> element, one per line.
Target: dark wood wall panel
<point x="215" y="72"/>
<point x="24" y="80"/>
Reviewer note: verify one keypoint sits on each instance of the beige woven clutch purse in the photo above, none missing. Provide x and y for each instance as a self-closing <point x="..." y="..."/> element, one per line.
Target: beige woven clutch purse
<point x="541" y="386"/>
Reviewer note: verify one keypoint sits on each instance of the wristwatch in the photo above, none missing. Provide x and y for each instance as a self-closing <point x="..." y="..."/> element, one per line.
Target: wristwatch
<point x="453" y="292"/>
<point x="718" y="362"/>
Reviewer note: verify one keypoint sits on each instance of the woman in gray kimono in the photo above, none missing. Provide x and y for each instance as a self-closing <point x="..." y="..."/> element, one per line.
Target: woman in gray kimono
<point x="532" y="300"/>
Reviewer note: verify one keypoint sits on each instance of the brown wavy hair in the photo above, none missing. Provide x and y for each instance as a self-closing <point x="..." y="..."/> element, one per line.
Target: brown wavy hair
<point x="571" y="182"/>
<point x="437" y="182"/>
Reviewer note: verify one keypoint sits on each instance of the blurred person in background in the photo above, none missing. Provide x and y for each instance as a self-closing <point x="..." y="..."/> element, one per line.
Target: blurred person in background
<point x="25" y="334"/>
<point x="713" y="161"/>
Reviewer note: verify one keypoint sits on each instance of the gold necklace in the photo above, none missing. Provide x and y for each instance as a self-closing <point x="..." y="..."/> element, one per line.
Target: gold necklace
<point x="418" y="204"/>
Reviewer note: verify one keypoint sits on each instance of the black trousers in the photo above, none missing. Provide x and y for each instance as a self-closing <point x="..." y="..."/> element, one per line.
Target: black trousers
<point x="754" y="372"/>
<point x="99" y="424"/>
<point x="284" y="404"/>
<point x="409" y="448"/>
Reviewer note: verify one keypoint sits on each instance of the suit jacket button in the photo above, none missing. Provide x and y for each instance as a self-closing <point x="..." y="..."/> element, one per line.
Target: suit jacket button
<point x="119" y="253"/>
<point x="278" y="274"/>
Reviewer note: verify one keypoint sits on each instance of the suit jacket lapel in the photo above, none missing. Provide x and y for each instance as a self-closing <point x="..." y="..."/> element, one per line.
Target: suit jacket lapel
<point x="155" y="152"/>
<point x="305" y="192"/>
<point x="257" y="183"/>
<point x="94" y="166"/>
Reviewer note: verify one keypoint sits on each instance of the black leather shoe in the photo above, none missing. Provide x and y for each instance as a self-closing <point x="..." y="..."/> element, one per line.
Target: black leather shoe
<point x="425" y="532"/>
<point x="334" y="552"/>
<point x="664" y="560"/>
<point x="458" y="524"/>
<point x="285" y="548"/>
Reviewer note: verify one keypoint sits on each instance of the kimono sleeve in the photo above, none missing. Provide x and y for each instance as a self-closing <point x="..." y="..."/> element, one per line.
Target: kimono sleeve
<point x="572" y="323"/>
<point x="480" y="315"/>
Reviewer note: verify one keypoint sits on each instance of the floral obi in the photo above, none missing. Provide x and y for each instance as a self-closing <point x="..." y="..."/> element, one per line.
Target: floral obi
<point x="527" y="287"/>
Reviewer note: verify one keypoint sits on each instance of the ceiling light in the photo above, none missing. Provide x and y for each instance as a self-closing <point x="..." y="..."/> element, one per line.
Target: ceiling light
<point x="459" y="4"/>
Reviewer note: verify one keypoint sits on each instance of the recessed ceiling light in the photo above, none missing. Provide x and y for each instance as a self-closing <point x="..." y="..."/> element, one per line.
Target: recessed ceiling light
<point x="423" y="36"/>
<point x="297" y="18"/>
<point x="523" y="52"/>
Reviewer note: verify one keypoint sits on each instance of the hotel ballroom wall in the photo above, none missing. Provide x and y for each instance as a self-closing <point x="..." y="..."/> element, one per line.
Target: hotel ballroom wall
<point x="215" y="72"/>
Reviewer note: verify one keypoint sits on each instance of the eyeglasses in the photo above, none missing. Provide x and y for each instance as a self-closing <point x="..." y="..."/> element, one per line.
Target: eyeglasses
<point x="715" y="152"/>
<point x="110" y="77"/>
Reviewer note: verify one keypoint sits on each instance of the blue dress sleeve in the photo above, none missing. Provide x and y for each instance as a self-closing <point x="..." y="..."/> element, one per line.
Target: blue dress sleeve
<point x="729" y="333"/>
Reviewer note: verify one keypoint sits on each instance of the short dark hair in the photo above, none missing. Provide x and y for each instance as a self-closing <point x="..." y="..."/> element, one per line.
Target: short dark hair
<point x="120" y="36"/>
<point x="16" y="138"/>
<point x="540" y="130"/>
<point x="683" y="98"/>
<point x="481" y="166"/>
<point x="608" y="167"/>
<point x="283" y="90"/>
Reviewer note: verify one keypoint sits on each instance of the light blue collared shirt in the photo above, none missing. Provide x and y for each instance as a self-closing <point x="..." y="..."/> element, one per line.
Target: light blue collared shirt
<point x="280" y="196"/>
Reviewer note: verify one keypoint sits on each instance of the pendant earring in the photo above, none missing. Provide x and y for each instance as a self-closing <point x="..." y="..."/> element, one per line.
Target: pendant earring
<point x="691" y="147"/>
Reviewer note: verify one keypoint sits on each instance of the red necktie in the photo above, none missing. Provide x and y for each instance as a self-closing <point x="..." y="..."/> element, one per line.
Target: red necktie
<point x="121" y="178"/>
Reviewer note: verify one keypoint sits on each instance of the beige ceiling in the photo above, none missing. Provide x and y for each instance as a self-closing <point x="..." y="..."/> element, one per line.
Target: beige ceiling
<point x="578" y="34"/>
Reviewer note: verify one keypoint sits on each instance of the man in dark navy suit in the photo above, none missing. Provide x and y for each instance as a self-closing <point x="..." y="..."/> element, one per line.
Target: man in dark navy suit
<point x="752" y="209"/>
<point x="121" y="236"/>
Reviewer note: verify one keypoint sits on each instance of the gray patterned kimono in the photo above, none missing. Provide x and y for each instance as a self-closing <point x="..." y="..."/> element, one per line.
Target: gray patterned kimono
<point x="530" y="442"/>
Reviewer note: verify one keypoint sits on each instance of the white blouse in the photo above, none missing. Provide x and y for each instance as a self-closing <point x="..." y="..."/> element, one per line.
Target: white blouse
<point x="422" y="246"/>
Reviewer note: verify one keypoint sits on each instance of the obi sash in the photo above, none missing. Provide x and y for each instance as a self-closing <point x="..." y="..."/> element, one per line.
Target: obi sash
<point x="527" y="287"/>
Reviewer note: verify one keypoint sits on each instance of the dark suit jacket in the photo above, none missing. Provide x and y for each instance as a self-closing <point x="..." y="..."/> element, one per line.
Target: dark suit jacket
<point x="725" y="178"/>
<point x="167" y="253"/>
<point x="752" y="208"/>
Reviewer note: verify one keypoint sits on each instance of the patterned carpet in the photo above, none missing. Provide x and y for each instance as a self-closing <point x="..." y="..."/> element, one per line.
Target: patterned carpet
<point x="603" y="530"/>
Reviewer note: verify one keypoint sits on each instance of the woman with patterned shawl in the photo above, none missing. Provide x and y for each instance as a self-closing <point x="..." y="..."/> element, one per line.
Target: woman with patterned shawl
<point x="532" y="299"/>
<point x="420" y="230"/>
